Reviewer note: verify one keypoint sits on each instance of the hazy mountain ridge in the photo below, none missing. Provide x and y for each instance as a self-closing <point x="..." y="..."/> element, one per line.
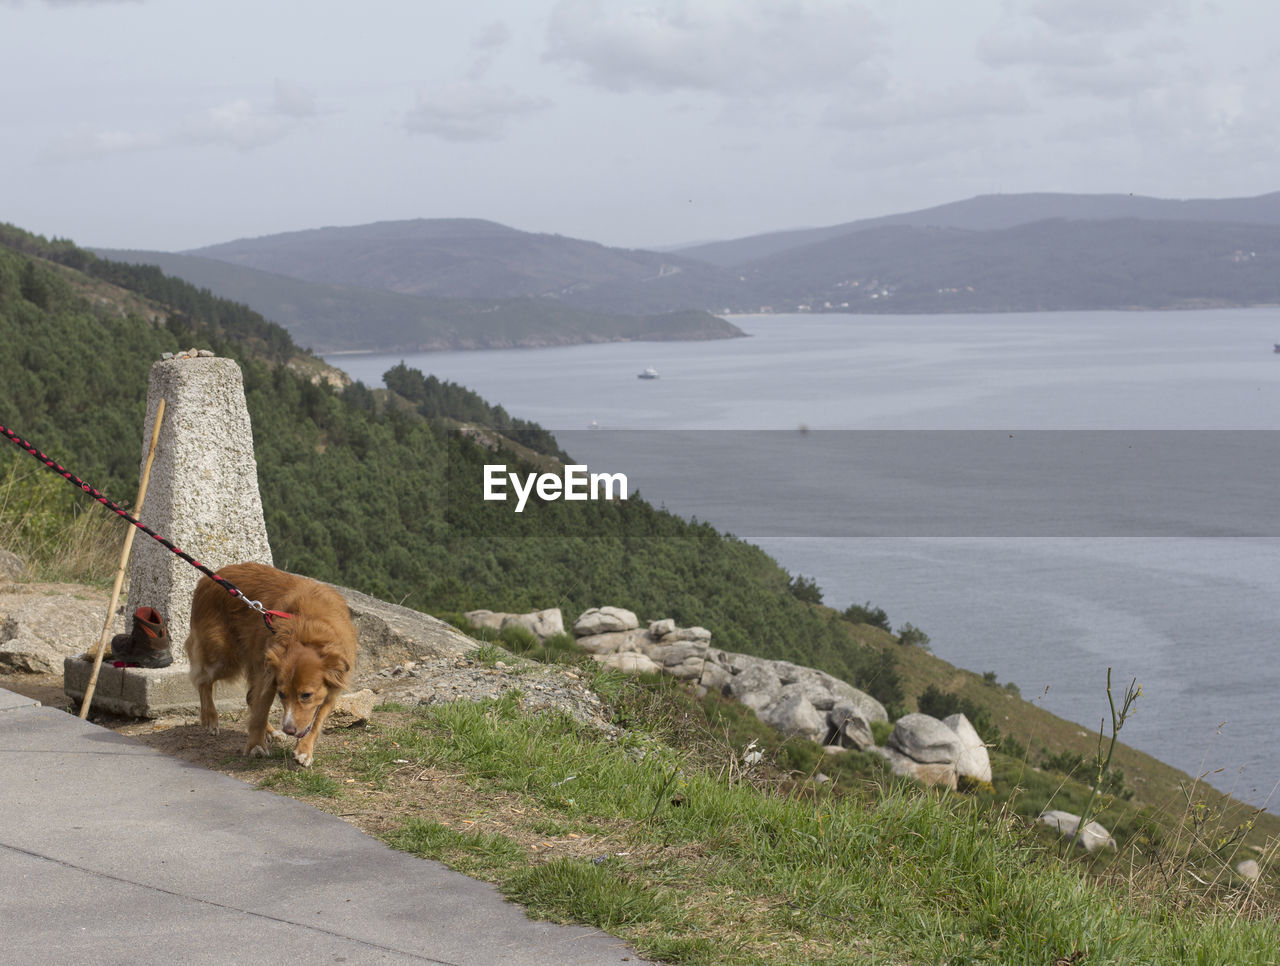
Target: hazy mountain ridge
<point x="468" y="283"/>
<point x="1056" y="264"/>
<point x="992" y="212"/>
<point x="336" y="318"/>
<point x="469" y="258"/>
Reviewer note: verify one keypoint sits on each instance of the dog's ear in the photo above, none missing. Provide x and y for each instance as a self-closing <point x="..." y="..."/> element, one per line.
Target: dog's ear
<point x="335" y="675"/>
<point x="336" y="668"/>
<point x="280" y="642"/>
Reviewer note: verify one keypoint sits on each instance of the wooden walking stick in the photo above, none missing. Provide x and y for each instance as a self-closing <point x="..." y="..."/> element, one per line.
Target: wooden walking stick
<point x="124" y="562"/>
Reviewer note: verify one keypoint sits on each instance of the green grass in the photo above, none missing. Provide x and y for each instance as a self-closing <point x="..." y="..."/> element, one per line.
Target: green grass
<point x="1161" y="788"/>
<point x="59" y="539"/>
<point x="303" y="782"/>
<point x="694" y="862"/>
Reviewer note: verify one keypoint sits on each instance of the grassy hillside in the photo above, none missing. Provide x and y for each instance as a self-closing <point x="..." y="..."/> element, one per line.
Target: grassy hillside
<point x="376" y="490"/>
<point x="663" y="836"/>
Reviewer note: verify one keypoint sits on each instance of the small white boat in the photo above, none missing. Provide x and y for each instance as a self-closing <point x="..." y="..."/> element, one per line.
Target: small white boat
<point x="652" y="373"/>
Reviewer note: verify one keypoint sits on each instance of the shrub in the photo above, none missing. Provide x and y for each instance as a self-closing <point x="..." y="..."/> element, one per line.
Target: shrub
<point x="941" y="704"/>
<point x="937" y="703"/>
<point x="805" y="589"/>
<point x="875" y="671"/>
<point x="866" y="614"/>
<point x="1076" y="766"/>
<point x="517" y="639"/>
<point x="974" y="786"/>
<point x="1066" y="762"/>
<point x="880" y="731"/>
<point x="559" y="649"/>
<point x="1011" y="746"/>
<point x="911" y="636"/>
<point x="488" y="654"/>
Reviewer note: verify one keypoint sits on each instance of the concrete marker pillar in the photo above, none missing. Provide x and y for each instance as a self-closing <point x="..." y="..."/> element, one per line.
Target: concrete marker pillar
<point x="203" y="497"/>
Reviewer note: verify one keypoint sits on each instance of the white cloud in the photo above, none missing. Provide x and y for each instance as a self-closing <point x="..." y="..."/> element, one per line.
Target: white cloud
<point x="730" y="47"/>
<point x="1036" y="47"/>
<point x="957" y="104"/>
<point x="487" y="44"/>
<point x="1208" y="118"/>
<point x="238" y="124"/>
<point x="1103" y="16"/>
<point x="85" y="142"/>
<point x="469" y="111"/>
<point x="1119" y="79"/>
<point x="1072" y="53"/>
<point x="491" y="36"/>
<point x="70" y="3"/>
<point x="294" y="100"/>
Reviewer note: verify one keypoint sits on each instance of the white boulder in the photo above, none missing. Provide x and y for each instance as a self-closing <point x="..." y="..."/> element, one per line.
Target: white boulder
<point x="629" y="662"/>
<point x="973" y="761"/>
<point x="925" y="739"/>
<point x="604" y="620"/>
<point x="1091" y="838"/>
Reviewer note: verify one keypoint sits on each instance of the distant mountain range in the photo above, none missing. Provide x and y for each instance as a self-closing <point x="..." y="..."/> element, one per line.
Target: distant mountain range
<point x="333" y="318"/>
<point x="994" y="212"/>
<point x="468" y="283"/>
<point x="471" y="259"/>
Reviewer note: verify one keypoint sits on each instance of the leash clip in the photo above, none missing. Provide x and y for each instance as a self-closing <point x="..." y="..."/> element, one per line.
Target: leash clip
<point x="267" y="615"/>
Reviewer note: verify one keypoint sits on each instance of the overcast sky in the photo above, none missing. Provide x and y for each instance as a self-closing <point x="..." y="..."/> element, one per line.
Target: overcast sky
<point x="171" y="124"/>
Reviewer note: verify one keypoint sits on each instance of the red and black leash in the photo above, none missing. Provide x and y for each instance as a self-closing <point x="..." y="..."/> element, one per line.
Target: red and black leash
<point x="120" y="511"/>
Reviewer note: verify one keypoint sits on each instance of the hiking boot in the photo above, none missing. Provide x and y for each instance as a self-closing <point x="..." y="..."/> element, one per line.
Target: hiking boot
<point x="147" y="645"/>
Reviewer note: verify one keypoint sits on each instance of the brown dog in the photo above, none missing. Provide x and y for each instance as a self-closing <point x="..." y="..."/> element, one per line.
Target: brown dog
<point x="306" y="658"/>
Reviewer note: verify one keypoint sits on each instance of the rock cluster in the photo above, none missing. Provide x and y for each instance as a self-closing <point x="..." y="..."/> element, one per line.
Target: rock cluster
<point x="43" y="624"/>
<point x="441" y="680"/>
<point x="542" y="623"/>
<point x="798" y="701"/>
<point x="937" y="752"/>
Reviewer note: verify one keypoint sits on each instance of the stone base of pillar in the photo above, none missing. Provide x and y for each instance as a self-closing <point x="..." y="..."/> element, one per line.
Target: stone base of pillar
<point x="136" y="692"/>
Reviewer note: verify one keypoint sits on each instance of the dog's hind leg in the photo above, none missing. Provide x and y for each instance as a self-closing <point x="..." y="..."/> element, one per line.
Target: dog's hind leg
<point x="202" y="678"/>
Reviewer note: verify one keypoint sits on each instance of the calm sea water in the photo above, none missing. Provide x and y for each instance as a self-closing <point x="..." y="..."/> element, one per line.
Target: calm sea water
<point x="1194" y="619"/>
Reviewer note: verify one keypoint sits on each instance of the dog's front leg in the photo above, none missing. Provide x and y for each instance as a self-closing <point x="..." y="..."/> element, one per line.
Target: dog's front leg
<point x="303" y="751"/>
<point x="261" y="693"/>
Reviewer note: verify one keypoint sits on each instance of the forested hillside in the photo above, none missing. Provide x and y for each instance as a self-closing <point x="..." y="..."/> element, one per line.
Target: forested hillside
<point x="371" y="489"/>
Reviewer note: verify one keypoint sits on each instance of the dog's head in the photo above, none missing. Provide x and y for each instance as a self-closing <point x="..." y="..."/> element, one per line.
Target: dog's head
<point x="310" y="670"/>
